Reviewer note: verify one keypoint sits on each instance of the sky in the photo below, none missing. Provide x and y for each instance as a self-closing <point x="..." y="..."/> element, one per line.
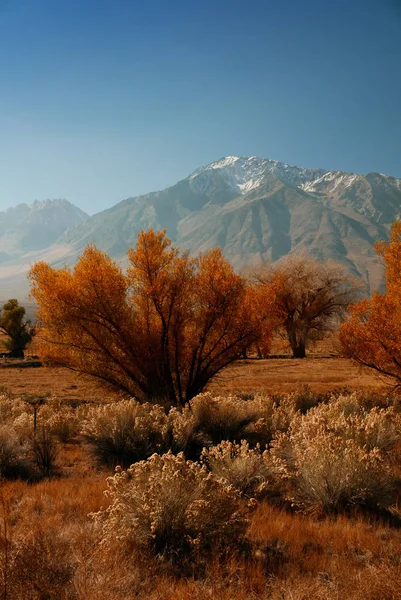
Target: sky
<point x="101" y="100"/>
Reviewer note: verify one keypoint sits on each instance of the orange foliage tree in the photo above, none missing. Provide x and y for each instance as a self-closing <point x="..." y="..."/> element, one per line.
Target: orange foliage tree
<point x="304" y="298"/>
<point x="372" y="335"/>
<point x="159" y="331"/>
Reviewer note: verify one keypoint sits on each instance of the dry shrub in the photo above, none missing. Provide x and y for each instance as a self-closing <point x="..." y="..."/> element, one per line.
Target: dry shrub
<point x="348" y="418"/>
<point x="221" y="417"/>
<point x="250" y="471"/>
<point x="44" y="451"/>
<point x="254" y="418"/>
<point x="171" y="508"/>
<point x="334" y="456"/>
<point x="13" y="452"/>
<point x="63" y="421"/>
<point x="126" y="432"/>
<point x="42" y="568"/>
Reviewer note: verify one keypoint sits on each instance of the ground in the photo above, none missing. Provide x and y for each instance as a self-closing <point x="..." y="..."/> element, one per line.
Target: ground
<point x="273" y="376"/>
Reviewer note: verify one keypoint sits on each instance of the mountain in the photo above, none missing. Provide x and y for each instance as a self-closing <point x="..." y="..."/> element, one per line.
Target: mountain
<point x="255" y="209"/>
<point x="26" y="228"/>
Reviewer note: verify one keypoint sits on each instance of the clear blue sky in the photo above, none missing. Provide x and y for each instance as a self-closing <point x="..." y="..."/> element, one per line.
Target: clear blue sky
<point x="105" y="99"/>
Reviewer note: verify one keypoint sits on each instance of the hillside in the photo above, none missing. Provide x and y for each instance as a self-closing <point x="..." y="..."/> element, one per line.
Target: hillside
<point x="255" y="209"/>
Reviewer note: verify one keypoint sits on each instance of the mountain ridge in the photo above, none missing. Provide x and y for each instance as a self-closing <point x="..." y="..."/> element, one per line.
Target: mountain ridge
<point x="256" y="210"/>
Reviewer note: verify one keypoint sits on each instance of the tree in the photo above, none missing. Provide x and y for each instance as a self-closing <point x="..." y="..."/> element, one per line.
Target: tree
<point x="160" y="331"/>
<point x="306" y="297"/>
<point x="20" y="332"/>
<point x="372" y="335"/>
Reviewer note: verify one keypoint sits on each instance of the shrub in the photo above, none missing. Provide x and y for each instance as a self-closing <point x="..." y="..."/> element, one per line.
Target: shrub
<point x="219" y="417"/>
<point x="44" y="451"/>
<point x="172" y="508"/>
<point x="233" y="418"/>
<point x="13" y="462"/>
<point x="250" y="471"/>
<point x="348" y="418"/>
<point x="64" y="423"/>
<point x="127" y="432"/>
<point x="333" y="457"/>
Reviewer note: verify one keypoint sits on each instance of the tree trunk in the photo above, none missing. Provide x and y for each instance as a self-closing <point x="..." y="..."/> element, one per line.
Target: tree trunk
<point x="297" y="345"/>
<point x="17" y="353"/>
<point x="299" y="351"/>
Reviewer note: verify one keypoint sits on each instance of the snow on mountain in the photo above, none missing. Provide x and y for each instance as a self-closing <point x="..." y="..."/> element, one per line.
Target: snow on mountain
<point x="247" y="173"/>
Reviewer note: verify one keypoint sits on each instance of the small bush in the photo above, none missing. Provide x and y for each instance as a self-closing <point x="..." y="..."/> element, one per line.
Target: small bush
<point x="64" y="424"/>
<point x="221" y="418"/>
<point x="13" y="461"/>
<point x="348" y="418"/>
<point x="334" y="457"/>
<point x="172" y="508"/>
<point x="44" y="452"/>
<point x="126" y="432"/>
<point x="250" y="471"/>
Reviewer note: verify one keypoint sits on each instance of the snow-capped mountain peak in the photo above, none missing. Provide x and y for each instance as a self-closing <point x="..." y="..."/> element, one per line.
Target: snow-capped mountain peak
<point x="244" y="173"/>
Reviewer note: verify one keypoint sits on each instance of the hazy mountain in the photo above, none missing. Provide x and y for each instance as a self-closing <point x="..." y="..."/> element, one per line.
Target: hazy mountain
<point x="255" y="209"/>
<point x="26" y="228"/>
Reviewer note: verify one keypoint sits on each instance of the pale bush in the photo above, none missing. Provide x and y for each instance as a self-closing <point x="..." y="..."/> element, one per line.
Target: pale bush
<point x="13" y="453"/>
<point x="11" y="408"/>
<point x="254" y="417"/>
<point x="172" y="508"/>
<point x="250" y="471"/>
<point x="63" y="424"/>
<point x="23" y="425"/>
<point x="221" y="417"/>
<point x="126" y="432"/>
<point x="347" y="418"/>
<point x="333" y="456"/>
<point x="270" y="415"/>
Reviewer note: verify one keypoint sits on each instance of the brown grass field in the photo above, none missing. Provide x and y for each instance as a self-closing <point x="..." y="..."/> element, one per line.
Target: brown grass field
<point x="295" y="556"/>
<point x="272" y="376"/>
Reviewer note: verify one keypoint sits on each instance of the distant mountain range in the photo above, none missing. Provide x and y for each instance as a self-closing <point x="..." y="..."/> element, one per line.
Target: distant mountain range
<point x="255" y="209"/>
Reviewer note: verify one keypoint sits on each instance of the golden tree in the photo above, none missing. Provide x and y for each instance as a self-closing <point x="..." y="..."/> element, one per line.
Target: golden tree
<point x="304" y="297"/>
<point x="159" y="332"/>
<point x="372" y="335"/>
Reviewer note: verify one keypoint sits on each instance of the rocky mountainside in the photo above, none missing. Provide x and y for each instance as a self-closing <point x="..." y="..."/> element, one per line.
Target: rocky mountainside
<point x="255" y="209"/>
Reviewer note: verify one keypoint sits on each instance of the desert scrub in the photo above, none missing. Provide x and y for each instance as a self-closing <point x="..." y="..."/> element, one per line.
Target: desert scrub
<point x="346" y="417"/>
<point x="13" y="453"/>
<point x="221" y="417"/>
<point x="64" y="423"/>
<point x="126" y="432"/>
<point x="333" y="460"/>
<point x="251" y="471"/>
<point x="172" y="508"/>
<point x="233" y="418"/>
<point x="44" y="450"/>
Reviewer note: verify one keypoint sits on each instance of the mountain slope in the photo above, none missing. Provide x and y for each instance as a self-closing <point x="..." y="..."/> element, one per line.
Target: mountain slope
<point x="256" y="210"/>
<point x="26" y="228"/>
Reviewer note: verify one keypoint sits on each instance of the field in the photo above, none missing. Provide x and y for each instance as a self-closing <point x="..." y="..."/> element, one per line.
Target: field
<point x="271" y="376"/>
<point x="50" y="545"/>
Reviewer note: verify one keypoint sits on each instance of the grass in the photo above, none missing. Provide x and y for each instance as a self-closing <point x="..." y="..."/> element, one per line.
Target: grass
<point x="49" y="542"/>
<point x="273" y="376"/>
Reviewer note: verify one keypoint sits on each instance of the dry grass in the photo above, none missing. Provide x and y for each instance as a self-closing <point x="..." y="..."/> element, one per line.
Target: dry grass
<point x="272" y="376"/>
<point x="285" y="375"/>
<point x="53" y="544"/>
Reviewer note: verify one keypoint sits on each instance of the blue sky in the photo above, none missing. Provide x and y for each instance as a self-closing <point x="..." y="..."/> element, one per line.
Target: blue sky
<point x="105" y="99"/>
